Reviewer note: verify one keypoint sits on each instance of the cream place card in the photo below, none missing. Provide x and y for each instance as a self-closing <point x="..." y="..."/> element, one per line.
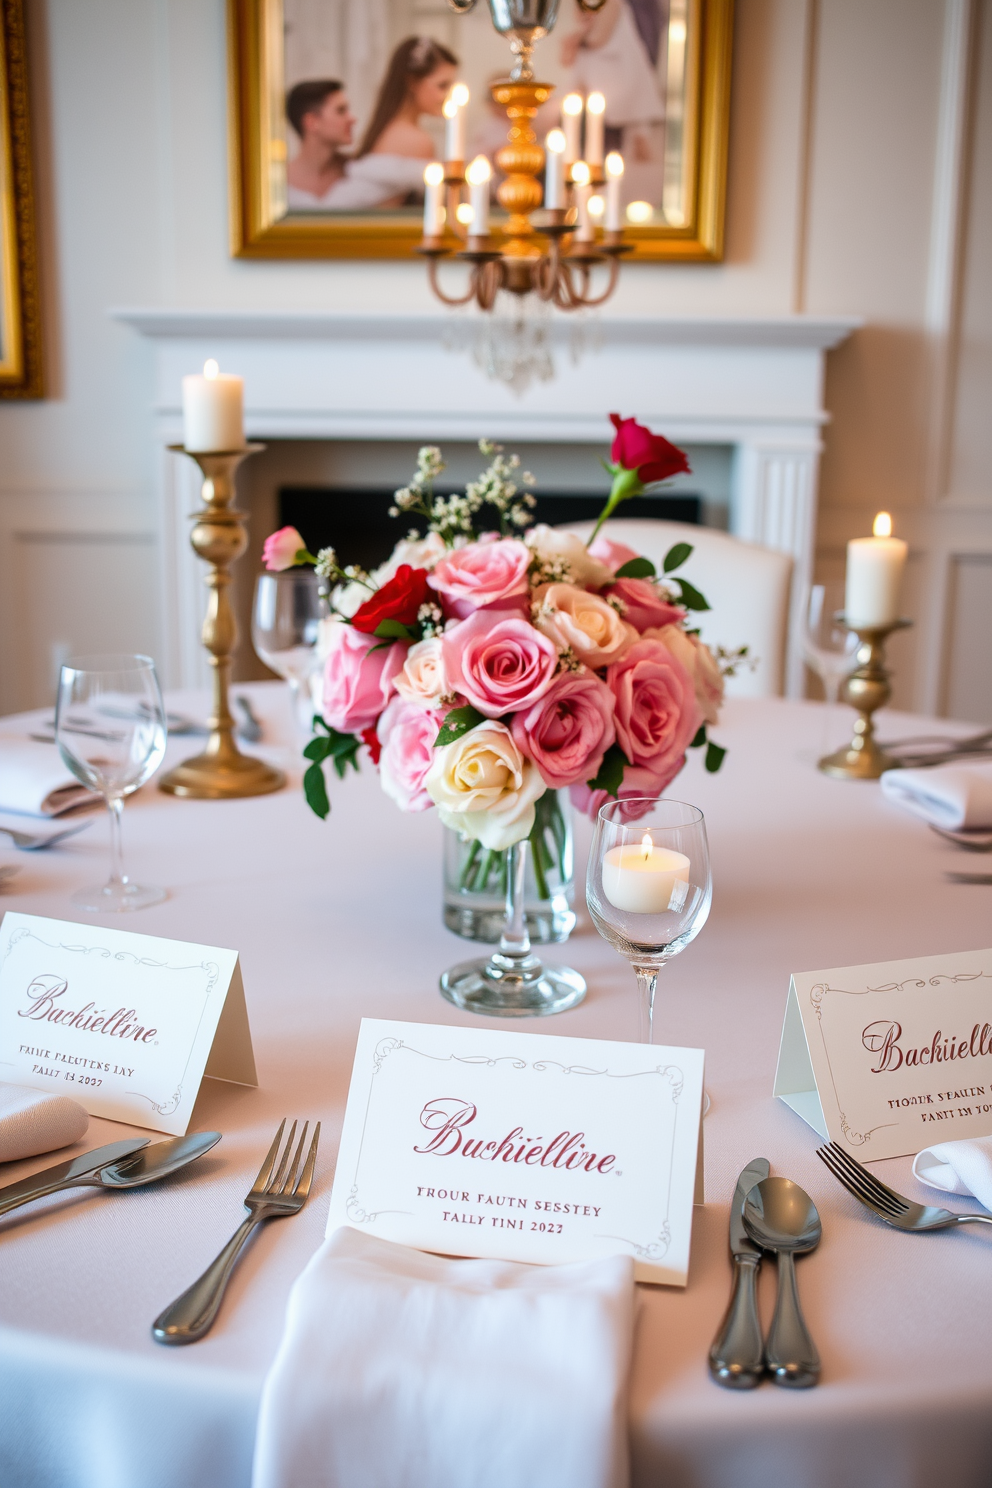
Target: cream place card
<point x="887" y="1058"/>
<point x="128" y="1025"/>
<point x="523" y="1147"/>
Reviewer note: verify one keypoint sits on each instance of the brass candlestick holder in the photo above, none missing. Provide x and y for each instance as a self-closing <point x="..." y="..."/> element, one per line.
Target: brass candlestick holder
<point x="866" y="689"/>
<point x="219" y="536"/>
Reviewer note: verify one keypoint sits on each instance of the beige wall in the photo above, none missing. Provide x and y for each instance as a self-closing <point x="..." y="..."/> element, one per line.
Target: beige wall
<point x="847" y="186"/>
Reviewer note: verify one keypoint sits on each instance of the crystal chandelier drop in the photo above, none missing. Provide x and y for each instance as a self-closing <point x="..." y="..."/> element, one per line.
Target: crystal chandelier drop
<point x="550" y="253"/>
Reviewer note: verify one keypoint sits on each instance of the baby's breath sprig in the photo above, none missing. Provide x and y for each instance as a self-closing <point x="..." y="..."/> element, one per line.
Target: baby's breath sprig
<point x="453" y="517"/>
<point x="568" y="661"/>
<point x="431" y="620"/>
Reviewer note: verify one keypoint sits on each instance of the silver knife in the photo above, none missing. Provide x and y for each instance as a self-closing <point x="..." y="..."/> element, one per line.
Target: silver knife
<point x="65" y="1173"/>
<point x="737" y="1354"/>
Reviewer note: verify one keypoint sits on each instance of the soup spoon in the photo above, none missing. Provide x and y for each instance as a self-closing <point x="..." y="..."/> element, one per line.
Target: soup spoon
<point x="781" y="1217"/>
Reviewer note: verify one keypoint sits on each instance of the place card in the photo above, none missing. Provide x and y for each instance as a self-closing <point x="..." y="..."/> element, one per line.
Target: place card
<point x="128" y="1025"/>
<point x="886" y="1059"/>
<point x="522" y="1147"/>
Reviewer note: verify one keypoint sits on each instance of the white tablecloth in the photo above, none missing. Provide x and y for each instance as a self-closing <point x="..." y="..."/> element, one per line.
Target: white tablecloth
<point x="341" y="919"/>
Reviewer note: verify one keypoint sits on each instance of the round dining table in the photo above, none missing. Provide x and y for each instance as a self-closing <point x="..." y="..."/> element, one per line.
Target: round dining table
<point x="340" y="919"/>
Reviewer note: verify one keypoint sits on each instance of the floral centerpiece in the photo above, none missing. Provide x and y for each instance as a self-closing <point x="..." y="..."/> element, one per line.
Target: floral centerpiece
<point x="490" y="663"/>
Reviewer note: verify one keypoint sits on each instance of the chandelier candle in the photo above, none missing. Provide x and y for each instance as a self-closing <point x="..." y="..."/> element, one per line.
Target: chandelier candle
<point x="874" y="577"/>
<point x="583" y="190"/>
<point x="595" y="112"/>
<point x="454" y="129"/>
<point x="614" y="184"/>
<point x="478" y="176"/>
<point x="213" y="411"/>
<point x="571" y="123"/>
<point x="433" y="207"/>
<point x="554" y="175"/>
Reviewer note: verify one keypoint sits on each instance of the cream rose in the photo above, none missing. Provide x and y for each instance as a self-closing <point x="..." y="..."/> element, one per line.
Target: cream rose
<point x="484" y="787"/>
<point x="700" y="663"/>
<point x="419" y="552"/>
<point x="555" y="546"/>
<point x="587" y="624"/>
<point x="421" y="679"/>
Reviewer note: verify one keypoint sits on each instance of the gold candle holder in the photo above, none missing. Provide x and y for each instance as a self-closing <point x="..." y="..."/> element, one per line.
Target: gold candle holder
<point x="866" y="689"/>
<point x="220" y="537"/>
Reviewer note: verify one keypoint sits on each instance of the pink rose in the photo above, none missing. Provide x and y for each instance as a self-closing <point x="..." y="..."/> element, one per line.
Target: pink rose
<point x="568" y="730"/>
<point x="582" y="622"/>
<point x="701" y="665"/>
<point x="407" y="733"/>
<point x="281" y="548"/>
<point x="636" y="782"/>
<point x="483" y="573"/>
<point x="501" y="664"/>
<point x="613" y="554"/>
<point x="644" y="606"/>
<point x="358" y="678"/>
<point x="657" y="714"/>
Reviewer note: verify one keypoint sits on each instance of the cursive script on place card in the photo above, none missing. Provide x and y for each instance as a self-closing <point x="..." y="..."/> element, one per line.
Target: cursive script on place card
<point x="877" y="1056"/>
<point x="522" y="1146"/>
<point x="126" y="1024"/>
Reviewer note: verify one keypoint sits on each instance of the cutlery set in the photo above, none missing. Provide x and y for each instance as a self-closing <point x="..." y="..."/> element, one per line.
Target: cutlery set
<point x="249" y="729"/>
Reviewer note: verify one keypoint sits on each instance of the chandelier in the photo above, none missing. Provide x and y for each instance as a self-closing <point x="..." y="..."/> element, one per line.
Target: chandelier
<point x="550" y="253"/>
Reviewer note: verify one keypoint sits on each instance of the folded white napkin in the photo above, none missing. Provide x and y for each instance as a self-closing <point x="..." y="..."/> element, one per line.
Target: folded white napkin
<point x="403" y="1370"/>
<point x="34" y="781"/>
<point x="32" y="1121"/>
<point x="958" y="797"/>
<point x="963" y="1167"/>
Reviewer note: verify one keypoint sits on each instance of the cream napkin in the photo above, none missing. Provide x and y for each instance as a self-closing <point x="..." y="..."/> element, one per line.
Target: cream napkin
<point x="403" y="1370"/>
<point x="958" y="797"/>
<point x="34" y="780"/>
<point x="31" y="1121"/>
<point x="963" y="1167"/>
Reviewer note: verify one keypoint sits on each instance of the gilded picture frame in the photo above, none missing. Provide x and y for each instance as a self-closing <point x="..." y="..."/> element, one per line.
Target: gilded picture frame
<point x="263" y="225"/>
<point x="20" y="319"/>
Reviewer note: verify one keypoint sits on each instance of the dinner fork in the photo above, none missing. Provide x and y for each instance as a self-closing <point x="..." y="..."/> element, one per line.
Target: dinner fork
<point x="275" y="1193"/>
<point x="38" y="841"/>
<point x="896" y="1210"/>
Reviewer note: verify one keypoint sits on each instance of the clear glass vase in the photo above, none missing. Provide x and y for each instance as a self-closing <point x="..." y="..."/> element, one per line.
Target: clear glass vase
<point x="475" y="879"/>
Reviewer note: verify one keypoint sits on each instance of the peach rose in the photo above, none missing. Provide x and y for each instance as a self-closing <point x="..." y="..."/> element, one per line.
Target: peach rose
<point x="421" y="678"/>
<point x="701" y="665"/>
<point x="587" y="624"/>
<point x="484" y="787"/>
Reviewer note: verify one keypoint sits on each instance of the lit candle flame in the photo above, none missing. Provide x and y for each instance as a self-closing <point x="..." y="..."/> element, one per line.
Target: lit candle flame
<point x="571" y="104"/>
<point x="581" y="173"/>
<point x="555" y="142"/>
<point x="647" y="845"/>
<point x="596" y="103"/>
<point x="479" y="171"/>
<point x="597" y="206"/>
<point x="434" y="173"/>
<point x="639" y="211"/>
<point x="614" y="163"/>
<point x="882" y="525"/>
<point x="449" y="108"/>
<point x="210" y="369"/>
<point x="463" y="212"/>
<point x="459" y="95"/>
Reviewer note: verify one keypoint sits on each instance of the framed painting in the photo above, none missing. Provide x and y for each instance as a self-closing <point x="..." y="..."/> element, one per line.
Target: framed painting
<point x="20" y="321"/>
<point x="336" y="108"/>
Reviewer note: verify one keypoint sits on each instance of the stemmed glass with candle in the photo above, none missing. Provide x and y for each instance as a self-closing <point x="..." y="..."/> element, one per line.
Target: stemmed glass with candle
<point x="648" y="886"/>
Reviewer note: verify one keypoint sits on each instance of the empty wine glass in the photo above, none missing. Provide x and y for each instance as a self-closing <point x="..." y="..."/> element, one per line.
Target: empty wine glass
<point x="285" y="629"/>
<point x="110" y="730"/>
<point x="648" y="886"/>
<point x="828" y="646"/>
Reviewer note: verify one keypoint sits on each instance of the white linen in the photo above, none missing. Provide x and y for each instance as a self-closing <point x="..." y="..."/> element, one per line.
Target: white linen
<point x="958" y="797"/>
<point x="404" y="1370"/>
<point x="32" y="1121"/>
<point x="35" y="782"/>
<point x="958" y="1167"/>
<point x="366" y="183"/>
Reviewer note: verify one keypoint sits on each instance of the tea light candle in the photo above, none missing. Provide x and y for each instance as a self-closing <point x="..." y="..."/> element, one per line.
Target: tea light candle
<point x="874" y="576"/>
<point x="642" y="879"/>
<point x="554" y="175"/>
<point x="478" y="177"/>
<point x="433" y="208"/>
<point x="595" y="110"/>
<point x="614" y="181"/>
<point x="571" y="123"/>
<point x="213" y="410"/>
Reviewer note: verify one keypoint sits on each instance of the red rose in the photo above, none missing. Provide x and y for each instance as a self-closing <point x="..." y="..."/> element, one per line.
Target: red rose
<point x="371" y="738"/>
<point x="399" y="599"/>
<point x="636" y="448"/>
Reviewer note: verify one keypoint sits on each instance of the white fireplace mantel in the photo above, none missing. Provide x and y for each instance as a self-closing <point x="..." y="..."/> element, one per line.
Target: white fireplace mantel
<point x="753" y="383"/>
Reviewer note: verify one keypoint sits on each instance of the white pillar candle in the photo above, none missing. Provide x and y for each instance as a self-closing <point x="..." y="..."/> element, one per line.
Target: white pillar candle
<point x="614" y="181"/>
<point x="595" y="111"/>
<point x="213" y="410"/>
<point x="582" y="192"/>
<point x="874" y="576"/>
<point x="571" y="123"/>
<point x="433" y="206"/>
<point x="554" y="175"/>
<point x="644" y="879"/>
<point x="478" y="176"/>
<point x="454" y="129"/>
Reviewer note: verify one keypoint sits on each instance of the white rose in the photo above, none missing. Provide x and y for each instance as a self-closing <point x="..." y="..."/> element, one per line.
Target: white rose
<point x="701" y="665"/>
<point x="419" y="552"/>
<point x="484" y="787"/>
<point x="422" y="678"/>
<point x="551" y="544"/>
<point x="347" y="598"/>
<point x="584" y="622"/>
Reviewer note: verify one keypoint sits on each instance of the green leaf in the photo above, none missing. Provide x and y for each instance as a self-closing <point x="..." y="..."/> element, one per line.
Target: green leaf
<point x="345" y="758"/>
<point x="700" y="738"/>
<point x="610" y="777"/>
<point x="339" y="744"/>
<point x="318" y="749"/>
<point x="714" y="757"/>
<point x="691" y="597"/>
<point x="675" y="557"/>
<point x="394" y="630"/>
<point x="636" y="568"/>
<point x="457" y="723"/>
<point x="316" y="791"/>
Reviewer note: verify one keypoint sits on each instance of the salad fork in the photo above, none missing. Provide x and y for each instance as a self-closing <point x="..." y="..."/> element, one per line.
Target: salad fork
<point x="894" y="1208"/>
<point x="275" y="1193"/>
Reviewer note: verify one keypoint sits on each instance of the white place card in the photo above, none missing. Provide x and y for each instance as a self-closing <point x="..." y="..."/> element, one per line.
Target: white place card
<point x="888" y="1058"/>
<point x="128" y="1025"/>
<point x="523" y="1147"/>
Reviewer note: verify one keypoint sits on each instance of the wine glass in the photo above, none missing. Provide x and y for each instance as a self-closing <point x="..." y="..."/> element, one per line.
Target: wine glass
<point x="285" y="629"/>
<point x="110" y="730"/>
<point x="648" y="886"/>
<point x="828" y="646"/>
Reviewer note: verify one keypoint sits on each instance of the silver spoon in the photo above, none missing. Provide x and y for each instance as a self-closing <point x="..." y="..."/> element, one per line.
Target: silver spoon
<point x="130" y="1170"/>
<point x="781" y="1217"/>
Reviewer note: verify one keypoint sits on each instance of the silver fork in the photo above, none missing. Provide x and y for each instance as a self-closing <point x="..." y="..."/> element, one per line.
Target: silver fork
<point x="275" y="1193"/>
<point x="38" y="841"/>
<point x="896" y="1210"/>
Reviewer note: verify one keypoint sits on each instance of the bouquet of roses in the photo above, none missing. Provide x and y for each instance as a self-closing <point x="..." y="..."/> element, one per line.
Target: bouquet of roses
<point x="485" y="670"/>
